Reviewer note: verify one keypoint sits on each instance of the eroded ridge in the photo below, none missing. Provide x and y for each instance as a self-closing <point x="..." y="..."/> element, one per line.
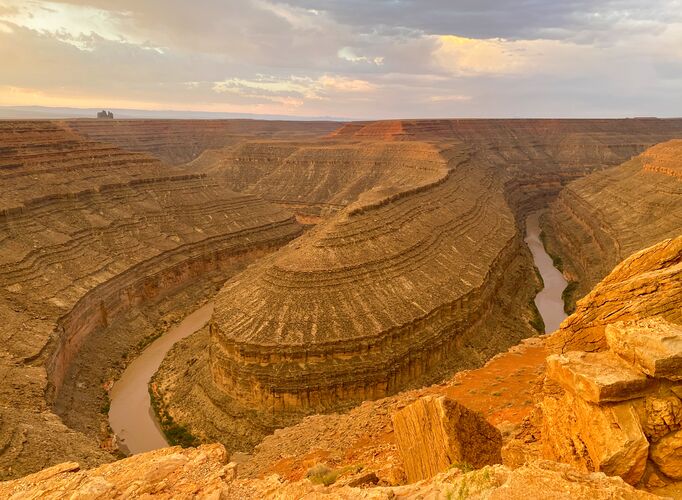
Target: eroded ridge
<point x="88" y="231"/>
<point x="180" y="141"/>
<point x="601" y="219"/>
<point x="406" y="283"/>
<point x="412" y="273"/>
<point x="321" y="178"/>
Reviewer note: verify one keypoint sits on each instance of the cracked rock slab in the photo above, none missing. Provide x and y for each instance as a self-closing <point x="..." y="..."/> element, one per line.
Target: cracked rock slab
<point x="654" y="346"/>
<point x="597" y="377"/>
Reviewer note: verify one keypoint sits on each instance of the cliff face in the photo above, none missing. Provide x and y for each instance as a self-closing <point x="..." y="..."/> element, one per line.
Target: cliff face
<point x="601" y="219"/>
<point x="87" y="232"/>
<point x="417" y="270"/>
<point x="648" y="283"/>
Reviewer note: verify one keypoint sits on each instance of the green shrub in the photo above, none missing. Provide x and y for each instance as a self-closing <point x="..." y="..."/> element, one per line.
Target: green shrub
<point x="176" y="434"/>
<point x="321" y="474"/>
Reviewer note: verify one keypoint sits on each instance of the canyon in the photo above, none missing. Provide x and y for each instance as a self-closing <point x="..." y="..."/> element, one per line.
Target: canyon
<point x="353" y="269"/>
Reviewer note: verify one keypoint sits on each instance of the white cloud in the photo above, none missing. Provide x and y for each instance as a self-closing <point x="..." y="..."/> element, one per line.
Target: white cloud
<point x="293" y="91"/>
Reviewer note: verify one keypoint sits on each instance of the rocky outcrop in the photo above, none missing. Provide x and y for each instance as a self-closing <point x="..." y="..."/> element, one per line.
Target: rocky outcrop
<point x="654" y="347"/>
<point x="598" y="221"/>
<point x="173" y="473"/>
<point x="169" y="473"/>
<point x="88" y="232"/>
<point x="616" y="410"/>
<point x="648" y="283"/>
<point x="435" y="433"/>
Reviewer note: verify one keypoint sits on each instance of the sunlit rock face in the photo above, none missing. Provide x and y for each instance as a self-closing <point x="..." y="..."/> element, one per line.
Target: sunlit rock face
<point x="416" y="267"/>
<point x="600" y="220"/>
<point x="89" y="231"/>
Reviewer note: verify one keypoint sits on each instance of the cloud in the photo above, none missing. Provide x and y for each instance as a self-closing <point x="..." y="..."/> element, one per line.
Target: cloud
<point x="384" y="58"/>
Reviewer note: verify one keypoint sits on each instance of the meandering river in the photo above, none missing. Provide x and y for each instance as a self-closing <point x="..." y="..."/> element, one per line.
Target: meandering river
<point x="133" y="420"/>
<point x="130" y="414"/>
<point x="549" y="300"/>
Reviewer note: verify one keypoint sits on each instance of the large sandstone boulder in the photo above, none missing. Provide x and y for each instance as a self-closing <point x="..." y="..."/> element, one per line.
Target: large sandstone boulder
<point x="667" y="454"/>
<point x="606" y="438"/>
<point x="168" y="473"/>
<point x="596" y="377"/>
<point x="653" y="345"/>
<point x="436" y="432"/>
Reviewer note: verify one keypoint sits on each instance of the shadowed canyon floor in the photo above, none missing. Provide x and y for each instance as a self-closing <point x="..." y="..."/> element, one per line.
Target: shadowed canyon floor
<point x="415" y="268"/>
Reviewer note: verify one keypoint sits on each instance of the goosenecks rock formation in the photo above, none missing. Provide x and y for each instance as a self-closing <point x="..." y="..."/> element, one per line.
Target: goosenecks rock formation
<point x="414" y="272"/>
<point x="87" y="232"/>
<point x="617" y="410"/>
<point x="601" y="219"/>
<point x="90" y="231"/>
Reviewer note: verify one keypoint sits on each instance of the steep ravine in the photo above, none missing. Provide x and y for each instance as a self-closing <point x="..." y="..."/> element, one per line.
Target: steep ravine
<point x="132" y="417"/>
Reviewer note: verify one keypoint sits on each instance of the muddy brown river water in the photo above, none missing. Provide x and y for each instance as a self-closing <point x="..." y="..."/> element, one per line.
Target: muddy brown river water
<point x="549" y="301"/>
<point x="130" y="414"/>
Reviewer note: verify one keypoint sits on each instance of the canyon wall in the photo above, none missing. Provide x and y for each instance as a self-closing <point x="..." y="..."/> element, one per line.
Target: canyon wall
<point x="417" y="267"/>
<point x="601" y="219"/>
<point x="180" y="141"/>
<point x="403" y="282"/>
<point x="87" y="232"/>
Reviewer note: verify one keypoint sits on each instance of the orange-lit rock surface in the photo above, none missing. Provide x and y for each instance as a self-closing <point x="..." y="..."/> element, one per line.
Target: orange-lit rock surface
<point x="88" y="232"/>
<point x="413" y="271"/>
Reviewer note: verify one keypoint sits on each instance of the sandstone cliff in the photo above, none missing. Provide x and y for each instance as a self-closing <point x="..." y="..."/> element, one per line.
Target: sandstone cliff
<point x="87" y="232"/>
<point x="601" y="219"/>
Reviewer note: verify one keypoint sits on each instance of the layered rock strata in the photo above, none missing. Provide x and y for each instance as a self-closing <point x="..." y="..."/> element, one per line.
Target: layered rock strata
<point x="598" y="221"/>
<point x="402" y="283"/>
<point x="319" y="178"/>
<point x="536" y="158"/>
<point x="87" y="232"/>
<point x="180" y="141"/>
<point x="619" y="411"/>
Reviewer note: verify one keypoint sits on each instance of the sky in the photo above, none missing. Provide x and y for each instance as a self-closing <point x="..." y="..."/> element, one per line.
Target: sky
<point x="357" y="59"/>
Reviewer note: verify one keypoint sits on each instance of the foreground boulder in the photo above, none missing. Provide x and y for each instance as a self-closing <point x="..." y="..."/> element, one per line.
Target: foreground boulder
<point x="166" y="473"/>
<point x="619" y="411"/>
<point x="434" y="433"/>
<point x="174" y="473"/>
<point x="606" y="438"/>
